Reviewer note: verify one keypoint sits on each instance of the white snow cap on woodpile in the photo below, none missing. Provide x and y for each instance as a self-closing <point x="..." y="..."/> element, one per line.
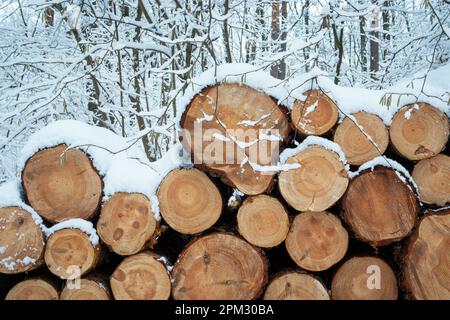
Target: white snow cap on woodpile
<point x="83" y="225"/>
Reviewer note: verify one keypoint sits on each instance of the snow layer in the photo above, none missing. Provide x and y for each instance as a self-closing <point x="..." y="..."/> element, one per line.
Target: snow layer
<point x="81" y="224"/>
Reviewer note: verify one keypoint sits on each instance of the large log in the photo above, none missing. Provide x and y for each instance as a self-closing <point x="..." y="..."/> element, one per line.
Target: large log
<point x="70" y="252"/>
<point x="89" y="289"/>
<point x="364" y="140"/>
<point x="419" y="131"/>
<point x="263" y="221"/>
<point x="189" y="202"/>
<point x="21" y="241"/>
<point x="317" y="184"/>
<point x="296" y="286"/>
<point x="379" y="207"/>
<point x="314" y="116"/>
<point x="141" y="277"/>
<point x="62" y="187"/>
<point x="126" y="223"/>
<point x="364" y="278"/>
<point x="234" y="112"/>
<point x="432" y="177"/>
<point x="316" y="240"/>
<point x="33" y="289"/>
<point x="427" y="260"/>
<point x="219" y="266"/>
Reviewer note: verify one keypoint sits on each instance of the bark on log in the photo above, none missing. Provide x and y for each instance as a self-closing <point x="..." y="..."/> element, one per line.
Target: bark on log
<point x="62" y="187"/>
<point x="364" y="278"/>
<point x="263" y="221"/>
<point x="89" y="289"/>
<point x="141" y="277"/>
<point x="427" y="261"/>
<point x="419" y="131"/>
<point x="219" y="266"/>
<point x="317" y="184"/>
<point x="189" y="202"/>
<point x="357" y="140"/>
<point x="225" y="113"/>
<point x="314" y="116"/>
<point x="379" y="207"/>
<point x="33" y="289"/>
<point x="21" y="241"/>
<point x="432" y="177"/>
<point x="316" y="240"/>
<point x="70" y="252"/>
<point x="127" y="224"/>
<point x="296" y="286"/>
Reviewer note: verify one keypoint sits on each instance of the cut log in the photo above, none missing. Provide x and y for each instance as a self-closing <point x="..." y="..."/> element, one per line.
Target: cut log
<point x="419" y="131"/>
<point x="88" y="289"/>
<point x="70" y="252"/>
<point x="432" y="177"/>
<point x="314" y="116"/>
<point x="21" y="241"/>
<point x="319" y="182"/>
<point x="127" y="224"/>
<point x="141" y="277"/>
<point x="219" y="266"/>
<point x="379" y="207"/>
<point x="364" y="278"/>
<point x="427" y="261"/>
<point x="62" y="187"/>
<point x="226" y="124"/>
<point x="33" y="289"/>
<point x="263" y="221"/>
<point x="189" y="202"/>
<point x="316" y="240"/>
<point x="296" y="286"/>
<point x="363" y="141"/>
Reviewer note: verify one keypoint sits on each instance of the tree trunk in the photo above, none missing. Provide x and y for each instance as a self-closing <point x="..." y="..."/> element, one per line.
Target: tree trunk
<point x="317" y="184"/>
<point x="21" y="242"/>
<point x="141" y="277"/>
<point x="315" y="116"/>
<point x="419" y="131"/>
<point x="263" y="221"/>
<point x="364" y="140"/>
<point x="189" y="202"/>
<point x="89" y="289"/>
<point x="363" y="44"/>
<point x="275" y="23"/>
<point x="219" y="266"/>
<point x="62" y="185"/>
<point x="426" y="266"/>
<point x="379" y="207"/>
<point x="33" y="289"/>
<point x="432" y="177"/>
<point x="296" y="286"/>
<point x="127" y="224"/>
<point x="316" y="240"/>
<point x="364" y="278"/>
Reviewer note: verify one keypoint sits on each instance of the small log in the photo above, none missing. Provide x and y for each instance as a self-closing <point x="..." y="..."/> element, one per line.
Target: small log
<point x="189" y="201"/>
<point x="379" y="207"/>
<point x="426" y="264"/>
<point x="237" y="113"/>
<point x="141" y="277"/>
<point x="33" y="289"/>
<point x="316" y="240"/>
<point x="364" y="141"/>
<point x="319" y="182"/>
<point x="70" y="252"/>
<point x="364" y="278"/>
<point x="314" y="116"/>
<point x="263" y="221"/>
<point x="432" y="177"/>
<point x="89" y="289"/>
<point x="62" y="187"/>
<point x="127" y="224"/>
<point x="21" y="241"/>
<point x="296" y="286"/>
<point x="419" y="131"/>
<point x="219" y="266"/>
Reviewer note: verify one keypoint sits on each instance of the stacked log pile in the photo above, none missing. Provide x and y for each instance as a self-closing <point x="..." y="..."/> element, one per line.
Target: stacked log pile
<point x="336" y="216"/>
